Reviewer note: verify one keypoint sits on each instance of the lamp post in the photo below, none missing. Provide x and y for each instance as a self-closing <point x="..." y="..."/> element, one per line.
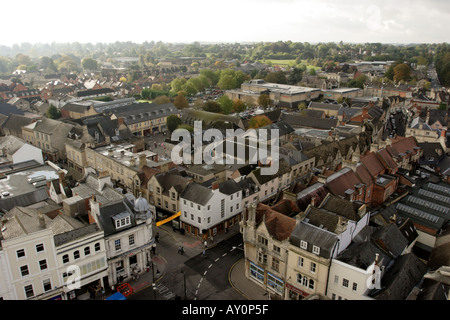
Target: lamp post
<point x="184" y="284"/>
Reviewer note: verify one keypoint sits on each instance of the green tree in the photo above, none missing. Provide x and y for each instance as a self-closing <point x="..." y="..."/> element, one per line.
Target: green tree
<point x="264" y="100"/>
<point x="212" y="106"/>
<point x="239" y="106"/>
<point x="276" y="77"/>
<point x="402" y="72"/>
<point x="89" y="64"/>
<point x="180" y="102"/>
<point x="161" y="99"/>
<point x="173" y="122"/>
<point x="53" y="112"/>
<point x="177" y="84"/>
<point x="259" y="121"/>
<point x="226" y="104"/>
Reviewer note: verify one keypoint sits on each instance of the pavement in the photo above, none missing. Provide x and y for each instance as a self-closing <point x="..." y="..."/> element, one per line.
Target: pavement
<point x="167" y="250"/>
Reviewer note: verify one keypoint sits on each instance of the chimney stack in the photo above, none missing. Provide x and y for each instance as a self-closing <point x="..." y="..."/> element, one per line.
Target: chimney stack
<point x="41" y="220"/>
<point x="142" y="160"/>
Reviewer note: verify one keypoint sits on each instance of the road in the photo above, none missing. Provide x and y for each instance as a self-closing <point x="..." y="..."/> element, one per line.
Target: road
<point x="200" y="277"/>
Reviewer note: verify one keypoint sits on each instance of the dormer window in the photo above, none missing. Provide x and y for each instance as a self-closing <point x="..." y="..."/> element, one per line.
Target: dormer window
<point x="122" y="220"/>
<point x="316" y="250"/>
<point x="303" y="244"/>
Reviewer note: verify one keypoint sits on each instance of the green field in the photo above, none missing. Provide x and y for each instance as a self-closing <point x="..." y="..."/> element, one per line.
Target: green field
<point x="288" y="63"/>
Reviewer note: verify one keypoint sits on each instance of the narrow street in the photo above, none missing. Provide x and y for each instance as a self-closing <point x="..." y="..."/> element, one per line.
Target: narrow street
<point x="194" y="276"/>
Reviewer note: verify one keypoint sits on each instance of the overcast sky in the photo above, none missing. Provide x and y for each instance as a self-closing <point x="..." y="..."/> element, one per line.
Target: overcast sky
<point x="387" y="21"/>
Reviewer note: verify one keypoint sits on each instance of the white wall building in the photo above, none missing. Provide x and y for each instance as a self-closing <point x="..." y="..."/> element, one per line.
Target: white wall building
<point x="16" y="150"/>
<point x="207" y="211"/>
<point x="128" y="236"/>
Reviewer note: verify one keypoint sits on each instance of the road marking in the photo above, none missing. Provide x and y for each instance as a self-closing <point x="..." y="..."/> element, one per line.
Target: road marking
<point x="224" y="254"/>
<point x="210" y="266"/>
<point x="216" y="260"/>
<point x="205" y="272"/>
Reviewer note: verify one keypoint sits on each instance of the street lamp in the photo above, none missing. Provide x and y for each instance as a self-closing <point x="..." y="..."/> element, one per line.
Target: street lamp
<point x="184" y="283"/>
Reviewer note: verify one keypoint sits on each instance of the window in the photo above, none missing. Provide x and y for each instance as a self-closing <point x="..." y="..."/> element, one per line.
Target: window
<point x="24" y="270"/>
<point x="276" y="249"/>
<point x="20" y="253"/>
<point x="47" y="285"/>
<point x="311" y="284"/>
<point x="256" y="272"/>
<point x="117" y="245"/>
<point x="192" y="217"/>
<point x="263" y="241"/>
<point x="231" y="209"/>
<point x="97" y="247"/>
<point x="174" y="207"/>
<point x="222" y="208"/>
<point x="40" y="247"/>
<point x="275" y="283"/>
<point x="29" y="291"/>
<point x="355" y="286"/>
<point x="209" y="207"/>
<point x="300" y="262"/>
<point x="336" y="279"/>
<point x="262" y="258"/>
<point x="316" y="250"/>
<point x="275" y="264"/>
<point x="131" y="239"/>
<point x="184" y="202"/>
<point x="313" y="267"/>
<point x="76" y="255"/>
<point x="65" y="258"/>
<point x="345" y="283"/>
<point x="199" y="220"/>
<point x="333" y="296"/>
<point x="43" y="264"/>
<point x="122" y="222"/>
<point x="185" y="214"/>
<point x="237" y="206"/>
<point x="87" y="251"/>
<point x="209" y="219"/>
<point x="198" y="207"/>
<point x="173" y="195"/>
<point x="303" y="244"/>
<point x="231" y="197"/>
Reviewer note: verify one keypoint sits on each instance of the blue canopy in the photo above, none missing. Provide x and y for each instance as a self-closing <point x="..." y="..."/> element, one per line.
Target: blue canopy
<point x="116" y="296"/>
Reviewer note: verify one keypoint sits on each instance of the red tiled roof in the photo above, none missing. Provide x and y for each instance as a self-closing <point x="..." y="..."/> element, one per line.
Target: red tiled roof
<point x="387" y="159"/>
<point x="372" y="164"/>
<point x="278" y="225"/>
<point x="341" y="181"/>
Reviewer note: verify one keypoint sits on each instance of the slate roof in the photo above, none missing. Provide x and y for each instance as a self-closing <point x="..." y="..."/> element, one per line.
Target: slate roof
<point x="90" y="92"/>
<point x="344" y="208"/>
<point x="7" y="109"/>
<point x="362" y="255"/>
<point x="168" y="180"/>
<point x="139" y="112"/>
<point x="298" y="120"/>
<point x="197" y="193"/>
<point x="78" y="233"/>
<point x="313" y="235"/>
<point x="109" y="210"/>
<point x="229" y="187"/>
<point x="398" y="281"/>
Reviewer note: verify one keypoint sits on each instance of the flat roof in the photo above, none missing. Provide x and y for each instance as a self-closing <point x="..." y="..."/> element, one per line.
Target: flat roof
<point x="283" y="88"/>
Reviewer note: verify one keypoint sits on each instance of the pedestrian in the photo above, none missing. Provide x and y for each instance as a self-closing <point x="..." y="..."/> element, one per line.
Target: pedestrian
<point x="206" y="244"/>
<point x="204" y="253"/>
<point x="182" y="250"/>
<point x="179" y="250"/>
